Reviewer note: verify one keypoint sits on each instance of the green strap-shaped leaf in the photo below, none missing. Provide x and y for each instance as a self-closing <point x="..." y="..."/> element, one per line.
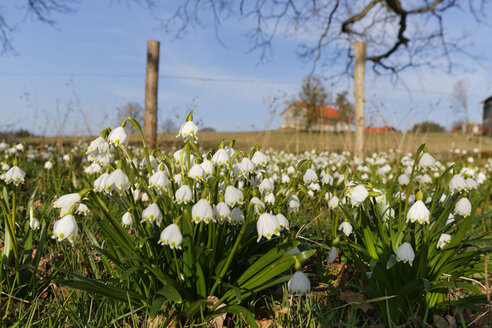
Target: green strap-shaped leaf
<point x="266" y="259"/>
<point x="170" y="293"/>
<point x="237" y="309"/>
<point x="455" y="284"/>
<point x="156" y="306"/>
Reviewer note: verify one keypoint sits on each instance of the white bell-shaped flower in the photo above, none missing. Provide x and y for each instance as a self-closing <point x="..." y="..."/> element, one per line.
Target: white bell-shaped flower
<point x="332" y="256"/>
<point x="66" y="228"/>
<point x="333" y="202"/>
<point x="294" y="204"/>
<point x="381" y="198"/>
<point x="299" y="284"/>
<point x="97" y="147"/>
<point x="183" y="195"/>
<point x="233" y="196"/>
<point x="443" y="240"/>
<point x="291" y="170"/>
<point x="269" y="198"/>
<point x="346" y="228"/>
<point x="159" y="181"/>
<point x="246" y="166"/>
<point x="100" y="183"/>
<point x="221" y="157"/>
<point x="292" y="251"/>
<point x="127" y="219"/>
<point x="463" y="207"/>
<point x="93" y="168"/>
<point x="33" y="222"/>
<point x="118" y="181"/>
<point x="221" y="212"/>
<point x="427" y="161"/>
<point x="310" y="177"/>
<point x="259" y="159"/>
<point x="48" y="165"/>
<point x="153" y="163"/>
<point x="418" y="212"/>
<point x="266" y="186"/>
<point x="327" y="179"/>
<point x="15" y="175"/>
<point x="237" y="216"/>
<point x="257" y="205"/>
<point x="314" y="187"/>
<point x="152" y="214"/>
<point x="82" y="209"/>
<point x="403" y="179"/>
<point x="405" y="253"/>
<point x="65" y="202"/>
<point x="267" y="226"/>
<point x="387" y="212"/>
<point x="424" y="178"/>
<point x="196" y="173"/>
<point x="283" y="222"/>
<point x="181" y="156"/>
<point x="207" y="167"/>
<point x="357" y="194"/>
<point x="285" y="178"/>
<point x="202" y="211"/>
<point x="457" y="184"/>
<point x="471" y="184"/>
<point x="189" y="131"/>
<point x="171" y="236"/>
<point x="118" y="137"/>
<point x="450" y="218"/>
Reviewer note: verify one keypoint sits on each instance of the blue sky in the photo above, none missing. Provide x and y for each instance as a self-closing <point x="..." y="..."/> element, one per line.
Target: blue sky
<point x="70" y="79"/>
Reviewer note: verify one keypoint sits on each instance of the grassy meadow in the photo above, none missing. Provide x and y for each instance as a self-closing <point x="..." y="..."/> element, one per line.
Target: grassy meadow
<point x="283" y="229"/>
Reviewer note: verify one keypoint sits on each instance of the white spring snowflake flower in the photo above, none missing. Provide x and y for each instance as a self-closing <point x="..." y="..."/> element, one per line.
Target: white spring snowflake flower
<point x="202" y="211"/>
<point x="66" y="228"/>
<point x="405" y="253"/>
<point x="171" y="235"/>
<point x="443" y="240"/>
<point x="299" y="284"/>
<point x="418" y="212"/>
<point x="267" y="226"/>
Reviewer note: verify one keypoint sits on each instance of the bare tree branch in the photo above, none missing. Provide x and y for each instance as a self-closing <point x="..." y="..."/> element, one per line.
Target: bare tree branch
<point x="400" y="34"/>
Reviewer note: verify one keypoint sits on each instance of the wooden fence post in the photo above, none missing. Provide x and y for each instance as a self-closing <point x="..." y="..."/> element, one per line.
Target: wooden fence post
<point x="151" y="81"/>
<point x="359" y="71"/>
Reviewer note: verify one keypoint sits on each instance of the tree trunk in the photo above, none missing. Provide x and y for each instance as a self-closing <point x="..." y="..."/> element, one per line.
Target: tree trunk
<point x="152" y="78"/>
<point x="359" y="71"/>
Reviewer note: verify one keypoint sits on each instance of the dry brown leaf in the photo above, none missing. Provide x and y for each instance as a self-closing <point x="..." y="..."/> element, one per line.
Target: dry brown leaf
<point x="218" y="321"/>
<point x="439" y="321"/>
<point x="353" y="297"/>
<point x="156" y="322"/>
<point x="264" y="323"/>
<point x="451" y="321"/>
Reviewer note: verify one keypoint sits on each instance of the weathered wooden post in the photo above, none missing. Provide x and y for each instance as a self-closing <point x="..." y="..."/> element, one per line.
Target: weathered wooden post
<point x="359" y="71"/>
<point x="151" y="81"/>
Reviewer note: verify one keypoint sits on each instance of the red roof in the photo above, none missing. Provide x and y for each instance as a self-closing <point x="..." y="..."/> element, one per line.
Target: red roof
<point x="325" y="111"/>
<point x="380" y="129"/>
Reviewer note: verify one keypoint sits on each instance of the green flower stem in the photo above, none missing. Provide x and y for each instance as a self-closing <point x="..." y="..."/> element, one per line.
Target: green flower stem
<point x="210" y="234"/>
<point x="199" y="237"/>
<point x="229" y="259"/>
<point x="10" y="226"/>
<point x="135" y="123"/>
<point x="177" y="264"/>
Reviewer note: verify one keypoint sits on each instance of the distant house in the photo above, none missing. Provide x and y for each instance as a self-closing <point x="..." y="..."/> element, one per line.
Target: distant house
<point x="381" y="129"/>
<point x="470" y="128"/>
<point x="294" y="117"/>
